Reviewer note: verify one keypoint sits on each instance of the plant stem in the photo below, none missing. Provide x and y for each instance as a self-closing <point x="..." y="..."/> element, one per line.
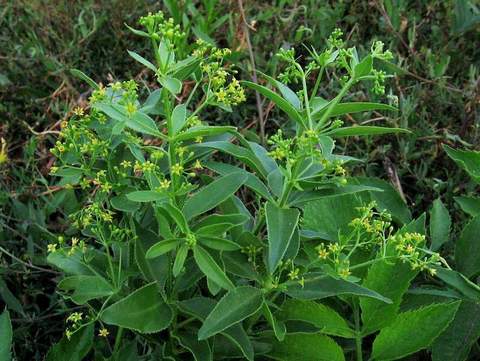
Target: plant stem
<point x="118" y="339"/>
<point x="334" y="102"/>
<point x="317" y="82"/>
<point x="358" y="335"/>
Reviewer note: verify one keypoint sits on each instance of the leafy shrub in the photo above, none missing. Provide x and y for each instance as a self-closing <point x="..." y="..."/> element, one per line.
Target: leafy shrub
<point x="191" y="239"/>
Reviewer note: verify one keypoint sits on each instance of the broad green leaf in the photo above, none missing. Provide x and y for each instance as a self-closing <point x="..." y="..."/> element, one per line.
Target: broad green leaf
<point x="146" y="196"/>
<point x="81" y="289"/>
<point x="281" y="224"/>
<point x="389" y="200"/>
<point x="173" y="85"/>
<point x="440" y="223"/>
<point x="455" y="342"/>
<point x="306" y="347"/>
<point x="142" y="123"/>
<point x="163" y="247"/>
<point x="81" y="75"/>
<point x="278" y="100"/>
<point x="201" y="307"/>
<point x="142" y="60"/>
<point x="327" y="320"/>
<point x="364" y="130"/>
<point x="390" y="280"/>
<point x="122" y="203"/>
<point x="179" y="118"/>
<point x="6" y="337"/>
<point x="470" y="205"/>
<point x="9" y="298"/>
<point x="70" y="264"/>
<point x="237" y="304"/>
<point x="300" y="198"/>
<point x="363" y="68"/>
<point x="467" y="249"/>
<point x="143" y="310"/>
<point x="318" y="286"/>
<point x="74" y="349"/>
<point x="468" y="160"/>
<point x="235" y="219"/>
<point x="413" y="331"/>
<point x="213" y="194"/>
<point x="327" y="216"/>
<point x="210" y="268"/>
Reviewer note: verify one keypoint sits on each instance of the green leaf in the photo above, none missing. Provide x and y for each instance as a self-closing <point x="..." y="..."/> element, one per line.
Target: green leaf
<point x="278" y="100"/>
<point x="180" y="258"/>
<point x="211" y="269"/>
<point x="176" y="215"/>
<point x="467" y="249"/>
<point x="81" y="289"/>
<point x="364" y="130"/>
<point x="349" y="108"/>
<point x="200" y="350"/>
<point x="468" y="160"/>
<point x="277" y="326"/>
<point x="81" y="75"/>
<point x="306" y="347"/>
<point x="237" y="304"/>
<point x="6" y="336"/>
<point x="142" y="60"/>
<point x="179" y="118"/>
<point x="74" y="349"/>
<point x="163" y="247"/>
<point x="218" y="243"/>
<point x="470" y="205"/>
<point x="363" y="68"/>
<point x="122" y="203"/>
<point x="455" y="342"/>
<point x="281" y="224"/>
<point x="173" y="85"/>
<point x="413" y="331"/>
<point x="204" y="131"/>
<point x="142" y="123"/>
<point x="286" y="92"/>
<point x="71" y="264"/>
<point x="318" y="286"/>
<point x="440" y="223"/>
<point x="458" y="281"/>
<point x="146" y="196"/>
<point x="143" y="310"/>
<point x="323" y="317"/>
<point x="213" y="194"/>
<point x="391" y="280"/>
<point x="201" y="307"/>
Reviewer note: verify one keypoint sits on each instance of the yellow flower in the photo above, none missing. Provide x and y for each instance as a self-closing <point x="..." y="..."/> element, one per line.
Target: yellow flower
<point x="52" y="248"/>
<point x="165" y="184"/>
<point x="78" y="111"/>
<point x="103" y="332"/>
<point x="197" y="165"/>
<point x="177" y="169"/>
<point x="131" y="108"/>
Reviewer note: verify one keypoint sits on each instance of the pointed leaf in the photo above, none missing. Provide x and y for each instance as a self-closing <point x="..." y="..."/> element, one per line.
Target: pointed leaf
<point x="234" y="307"/>
<point x="364" y="130"/>
<point x="440" y="223"/>
<point x="467" y="249"/>
<point x="7" y="336"/>
<point x="210" y="268"/>
<point x="179" y="118"/>
<point x="468" y="160"/>
<point x="143" y="310"/>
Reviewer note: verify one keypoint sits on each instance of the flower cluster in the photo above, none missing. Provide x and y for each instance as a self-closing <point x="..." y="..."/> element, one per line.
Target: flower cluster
<point x="159" y="27"/>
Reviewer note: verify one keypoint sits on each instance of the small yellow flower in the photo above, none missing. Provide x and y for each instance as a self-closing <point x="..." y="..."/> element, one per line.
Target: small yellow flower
<point x="74" y="241"/>
<point x="344" y="272"/>
<point x="131" y="108"/>
<point x="78" y="111"/>
<point x="177" y="169"/>
<point x="197" y="165"/>
<point x="52" y="248"/>
<point x="103" y="332"/>
<point x="198" y="139"/>
<point x="165" y="184"/>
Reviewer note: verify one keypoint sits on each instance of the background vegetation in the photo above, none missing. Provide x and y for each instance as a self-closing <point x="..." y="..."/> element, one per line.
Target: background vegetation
<point x="437" y="83"/>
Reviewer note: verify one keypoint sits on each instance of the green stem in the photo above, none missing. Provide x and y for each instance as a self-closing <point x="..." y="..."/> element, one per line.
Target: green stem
<point x="358" y="333"/>
<point x="118" y="339"/>
<point x="317" y="82"/>
<point x="334" y="102"/>
<point x="305" y="97"/>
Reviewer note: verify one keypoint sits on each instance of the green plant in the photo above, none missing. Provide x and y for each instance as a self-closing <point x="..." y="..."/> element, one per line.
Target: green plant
<point x="177" y="260"/>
